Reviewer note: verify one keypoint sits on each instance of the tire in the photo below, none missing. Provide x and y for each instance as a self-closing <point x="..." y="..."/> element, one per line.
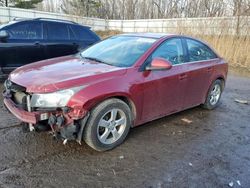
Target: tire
<point x="214" y="95"/>
<point x="108" y="125"/>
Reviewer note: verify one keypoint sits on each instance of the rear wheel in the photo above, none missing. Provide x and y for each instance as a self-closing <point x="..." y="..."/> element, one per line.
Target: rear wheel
<point x="214" y="95"/>
<point x="108" y="125"/>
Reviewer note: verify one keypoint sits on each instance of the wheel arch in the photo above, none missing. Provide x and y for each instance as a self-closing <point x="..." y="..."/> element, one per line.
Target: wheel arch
<point x="221" y="78"/>
<point x="131" y="105"/>
<point x="121" y="96"/>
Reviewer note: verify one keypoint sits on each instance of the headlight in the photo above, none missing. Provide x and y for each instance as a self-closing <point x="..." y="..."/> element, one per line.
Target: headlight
<point x="56" y="99"/>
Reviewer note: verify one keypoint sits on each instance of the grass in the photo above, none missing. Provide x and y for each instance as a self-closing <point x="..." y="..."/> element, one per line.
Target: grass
<point x="108" y="33"/>
<point x="235" y="49"/>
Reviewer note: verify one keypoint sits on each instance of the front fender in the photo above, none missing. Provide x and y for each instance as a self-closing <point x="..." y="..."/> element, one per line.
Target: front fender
<point x="90" y="96"/>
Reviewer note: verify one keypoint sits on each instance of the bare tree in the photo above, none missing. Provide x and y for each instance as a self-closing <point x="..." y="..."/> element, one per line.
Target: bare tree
<point x="4" y="3"/>
<point x="145" y="9"/>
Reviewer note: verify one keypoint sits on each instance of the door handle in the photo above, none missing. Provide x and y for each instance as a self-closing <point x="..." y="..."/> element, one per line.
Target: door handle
<point x="182" y="76"/>
<point x="37" y="43"/>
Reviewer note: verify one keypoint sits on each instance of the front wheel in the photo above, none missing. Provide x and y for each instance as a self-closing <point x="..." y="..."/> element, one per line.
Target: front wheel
<point x="214" y="95"/>
<point x="108" y="125"/>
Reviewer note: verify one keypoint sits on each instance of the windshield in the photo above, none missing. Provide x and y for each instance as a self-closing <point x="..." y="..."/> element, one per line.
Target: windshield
<point x="120" y="51"/>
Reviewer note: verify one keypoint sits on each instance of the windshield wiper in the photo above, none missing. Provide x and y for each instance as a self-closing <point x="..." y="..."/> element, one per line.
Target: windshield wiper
<point x="96" y="59"/>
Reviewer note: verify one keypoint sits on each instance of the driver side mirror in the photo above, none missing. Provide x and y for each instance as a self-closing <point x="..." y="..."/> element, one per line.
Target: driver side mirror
<point x="159" y="64"/>
<point x="4" y="35"/>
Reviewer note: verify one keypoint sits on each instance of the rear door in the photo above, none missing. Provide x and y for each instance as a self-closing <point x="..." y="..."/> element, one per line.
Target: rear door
<point x="164" y="90"/>
<point x="24" y="46"/>
<point x="59" y="41"/>
<point x="200" y="66"/>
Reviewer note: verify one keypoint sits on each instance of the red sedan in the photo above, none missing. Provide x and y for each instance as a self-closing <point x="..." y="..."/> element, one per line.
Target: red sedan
<point x="118" y="83"/>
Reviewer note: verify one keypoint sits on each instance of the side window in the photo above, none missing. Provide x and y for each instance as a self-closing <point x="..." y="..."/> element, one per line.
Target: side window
<point x="57" y="31"/>
<point x="30" y="31"/>
<point x="198" y="51"/>
<point x="82" y="33"/>
<point x="170" y="50"/>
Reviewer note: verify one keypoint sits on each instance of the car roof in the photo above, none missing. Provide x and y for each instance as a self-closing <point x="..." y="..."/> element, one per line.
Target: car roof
<point x="148" y="35"/>
<point x="19" y="20"/>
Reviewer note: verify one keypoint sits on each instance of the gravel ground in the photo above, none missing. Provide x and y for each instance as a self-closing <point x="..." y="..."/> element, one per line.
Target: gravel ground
<point x="211" y="151"/>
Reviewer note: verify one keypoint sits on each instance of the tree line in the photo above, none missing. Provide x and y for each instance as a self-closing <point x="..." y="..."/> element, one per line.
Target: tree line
<point x="30" y="4"/>
<point x="155" y="9"/>
<point x="138" y="9"/>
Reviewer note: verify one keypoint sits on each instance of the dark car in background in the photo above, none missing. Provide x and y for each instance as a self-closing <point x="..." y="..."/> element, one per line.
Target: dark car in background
<point x="26" y="41"/>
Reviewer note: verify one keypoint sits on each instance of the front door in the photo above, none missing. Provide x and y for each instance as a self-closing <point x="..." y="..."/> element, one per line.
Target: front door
<point x="164" y="90"/>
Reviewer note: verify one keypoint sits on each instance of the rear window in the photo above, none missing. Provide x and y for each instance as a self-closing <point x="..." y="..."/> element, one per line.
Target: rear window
<point x="198" y="51"/>
<point x="82" y="33"/>
<point x="31" y="30"/>
<point x="58" y="31"/>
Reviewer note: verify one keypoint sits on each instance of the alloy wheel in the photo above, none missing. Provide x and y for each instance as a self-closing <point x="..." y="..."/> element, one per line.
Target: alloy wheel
<point x="215" y="94"/>
<point x="111" y="126"/>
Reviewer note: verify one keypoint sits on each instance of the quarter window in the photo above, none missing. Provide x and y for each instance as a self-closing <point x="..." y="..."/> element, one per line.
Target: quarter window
<point x="198" y="51"/>
<point x="58" y="31"/>
<point x="170" y="50"/>
<point x="26" y="31"/>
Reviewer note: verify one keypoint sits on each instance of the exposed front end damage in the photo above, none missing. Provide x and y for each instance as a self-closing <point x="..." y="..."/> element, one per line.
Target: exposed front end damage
<point x="66" y="128"/>
<point x="64" y="123"/>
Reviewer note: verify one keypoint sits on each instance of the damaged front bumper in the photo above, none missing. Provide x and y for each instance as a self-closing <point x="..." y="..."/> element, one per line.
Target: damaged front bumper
<point x="24" y="116"/>
<point x="65" y="123"/>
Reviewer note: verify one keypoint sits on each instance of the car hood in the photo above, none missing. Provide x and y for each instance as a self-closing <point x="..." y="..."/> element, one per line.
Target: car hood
<point x="62" y="73"/>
